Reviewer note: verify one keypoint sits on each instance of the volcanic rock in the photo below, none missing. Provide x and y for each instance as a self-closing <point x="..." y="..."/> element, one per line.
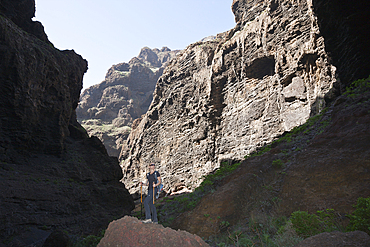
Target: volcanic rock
<point x="221" y="99"/>
<point x="129" y="231"/>
<point x="52" y="175"/>
<point x="325" y="166"/>
<point x="108" y="109"/>
<point x="337" y="239"/>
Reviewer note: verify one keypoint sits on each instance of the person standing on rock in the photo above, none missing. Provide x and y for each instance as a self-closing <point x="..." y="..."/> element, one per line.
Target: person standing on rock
<point x="150" y="211"/>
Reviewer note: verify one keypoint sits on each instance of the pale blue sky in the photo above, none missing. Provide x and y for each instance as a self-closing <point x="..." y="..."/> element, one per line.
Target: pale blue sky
<point x="113" y="31"/>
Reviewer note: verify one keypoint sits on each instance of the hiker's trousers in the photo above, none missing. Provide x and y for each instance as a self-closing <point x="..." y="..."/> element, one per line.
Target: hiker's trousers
<point x="150" y="211"/>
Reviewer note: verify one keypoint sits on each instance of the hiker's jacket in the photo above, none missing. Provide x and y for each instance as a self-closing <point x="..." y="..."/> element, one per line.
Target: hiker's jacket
<point x="151" y="179"/>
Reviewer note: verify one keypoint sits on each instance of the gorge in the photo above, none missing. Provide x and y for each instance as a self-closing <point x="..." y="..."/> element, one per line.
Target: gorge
<point x="271" y="98"/>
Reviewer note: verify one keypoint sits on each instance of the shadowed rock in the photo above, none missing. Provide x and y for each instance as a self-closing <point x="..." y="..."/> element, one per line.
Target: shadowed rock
<point x="337" y="239"/>
<point x="52" y="175"/>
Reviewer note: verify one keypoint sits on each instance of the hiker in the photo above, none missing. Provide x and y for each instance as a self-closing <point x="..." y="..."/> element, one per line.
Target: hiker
<point x="150" y="211"/>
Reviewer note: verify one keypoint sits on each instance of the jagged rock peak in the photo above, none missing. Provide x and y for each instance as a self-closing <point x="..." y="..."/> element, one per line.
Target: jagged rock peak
<point x="155" y="57"/>
<point x="122" y="97"/>
<point x="209" y="38"/>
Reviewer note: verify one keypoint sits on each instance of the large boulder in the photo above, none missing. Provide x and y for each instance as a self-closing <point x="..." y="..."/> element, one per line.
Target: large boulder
<point x="130" y="232"/>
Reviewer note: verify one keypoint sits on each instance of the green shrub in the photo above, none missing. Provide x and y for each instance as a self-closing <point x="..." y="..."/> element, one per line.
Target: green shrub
<point x="278" y="163"/>
<point x="260" y="152"/>
<point x="286" y="236"/>
<point x="90" y="241"/>
<point x="357" y="87"/>
<point x="360" y="218"/>
<point x="307" y="225"/>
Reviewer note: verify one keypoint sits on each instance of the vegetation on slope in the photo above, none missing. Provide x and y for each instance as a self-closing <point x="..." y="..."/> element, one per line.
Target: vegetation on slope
<point x="271" y="229"/>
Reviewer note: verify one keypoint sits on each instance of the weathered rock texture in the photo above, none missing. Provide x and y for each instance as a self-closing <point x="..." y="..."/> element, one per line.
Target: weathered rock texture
<point x="222" y="99"/>
<point x="52" y="175"/>
<point x="337" y="239"/>
<point x="129" y="231"/>
<point x="40" y="87"/>
<point x="108" y="109"/>
<point x="326" y="165"/>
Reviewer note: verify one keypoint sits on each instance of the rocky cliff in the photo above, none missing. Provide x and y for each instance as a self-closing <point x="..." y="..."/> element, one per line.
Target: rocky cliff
<point x="107" y="110"/>
<point x="320" y="165"/>
<point x="52" y="175"/>
<point x="222" y="99"/>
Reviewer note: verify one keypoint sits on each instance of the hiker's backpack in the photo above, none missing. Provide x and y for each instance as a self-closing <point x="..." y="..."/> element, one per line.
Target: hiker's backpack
<point x="159" y="188"/>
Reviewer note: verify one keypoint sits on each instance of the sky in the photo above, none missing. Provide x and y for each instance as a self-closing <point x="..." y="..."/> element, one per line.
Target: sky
<point x="113" y="31"/>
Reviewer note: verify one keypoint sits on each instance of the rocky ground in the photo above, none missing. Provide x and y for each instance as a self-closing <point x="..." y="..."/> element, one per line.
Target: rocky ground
<point x="107" y="110"/>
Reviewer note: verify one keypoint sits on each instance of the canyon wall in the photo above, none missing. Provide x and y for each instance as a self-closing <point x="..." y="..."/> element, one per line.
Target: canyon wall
<point x="219" y="100"/>
<point x="52" y="175"/>
<point x="107" y="110"/>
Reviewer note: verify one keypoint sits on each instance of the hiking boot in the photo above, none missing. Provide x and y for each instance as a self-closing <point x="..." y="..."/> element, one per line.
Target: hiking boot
<point x="155" y="222"/>
<point x="146" y="221"/>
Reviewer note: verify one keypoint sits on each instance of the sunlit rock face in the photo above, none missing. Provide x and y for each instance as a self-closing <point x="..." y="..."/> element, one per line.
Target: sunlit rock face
<point x="107" y="110"/>
<point x="221" y="99"/>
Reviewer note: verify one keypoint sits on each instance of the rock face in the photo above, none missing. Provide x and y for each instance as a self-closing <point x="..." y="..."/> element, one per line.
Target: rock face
<point x="324" y="166"/>
<point x="345" y="26"/>
<point x="129" y="231"/>
<point x="52" y="175"/>
<point x="108" y="109"/>
<point x="221" y="99"/>
<point x="337" y="239"/>
<point x="38" y="95"/>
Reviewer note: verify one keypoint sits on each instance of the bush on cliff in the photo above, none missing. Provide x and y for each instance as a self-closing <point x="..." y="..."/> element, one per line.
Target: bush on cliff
<point x="307" y="225"/>
<point x="360" y="218"/>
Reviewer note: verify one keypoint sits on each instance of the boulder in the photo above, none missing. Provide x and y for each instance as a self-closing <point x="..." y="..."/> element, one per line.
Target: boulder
<point x="337" y="239"/>
<point x="129" y="231"/>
